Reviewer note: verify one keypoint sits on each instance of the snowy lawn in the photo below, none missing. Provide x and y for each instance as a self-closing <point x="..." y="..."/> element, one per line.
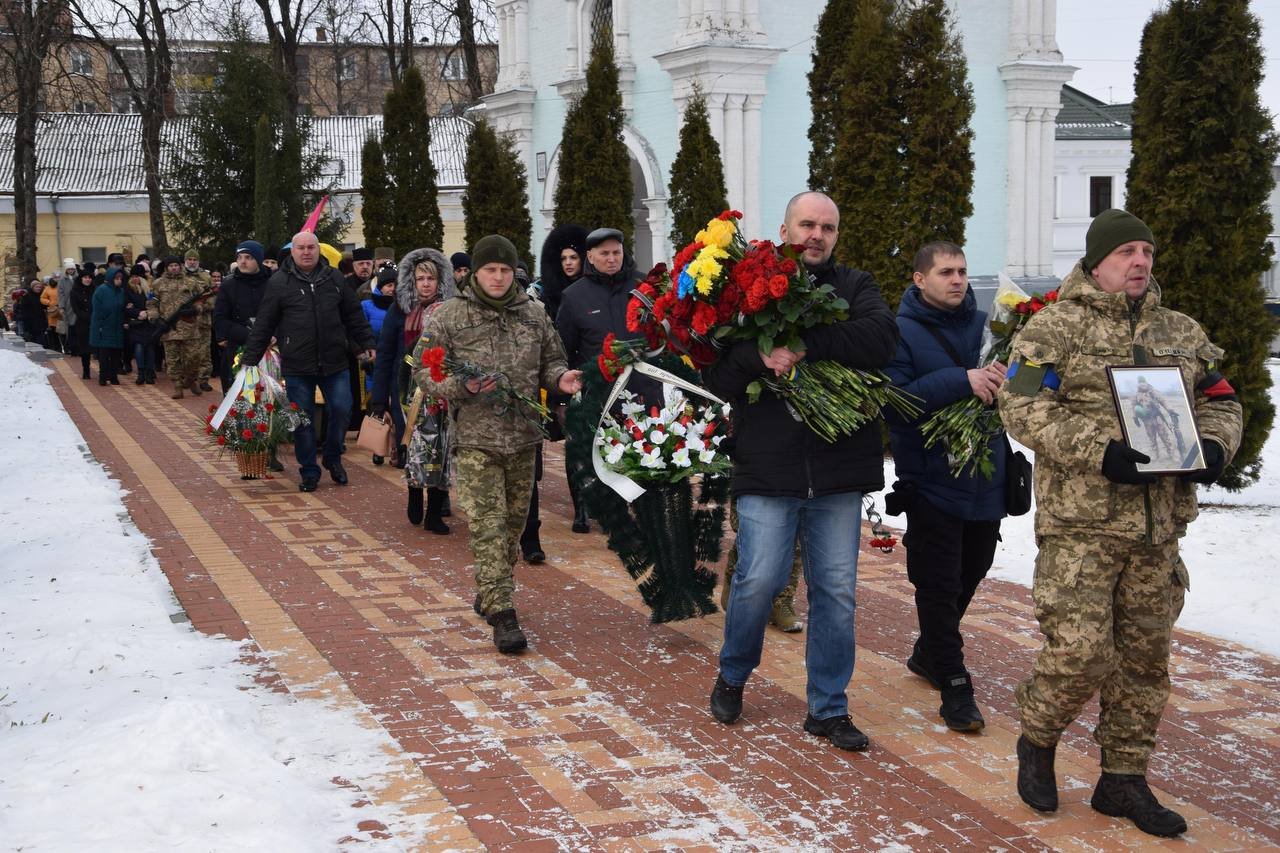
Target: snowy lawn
<point x="120" y="730"/>
<point x="1230" y="552"/>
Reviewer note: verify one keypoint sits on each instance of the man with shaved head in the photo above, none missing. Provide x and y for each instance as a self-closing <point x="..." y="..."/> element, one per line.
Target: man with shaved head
<point x="317" y="322"/>
<point x="789" y="482"/>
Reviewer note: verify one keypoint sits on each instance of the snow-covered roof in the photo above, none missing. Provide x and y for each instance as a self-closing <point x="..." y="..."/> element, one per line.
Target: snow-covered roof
<point x="101" y="153"/>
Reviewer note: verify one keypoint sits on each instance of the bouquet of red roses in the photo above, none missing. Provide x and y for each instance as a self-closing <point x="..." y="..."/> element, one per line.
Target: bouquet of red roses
<point x="723" y="290"/>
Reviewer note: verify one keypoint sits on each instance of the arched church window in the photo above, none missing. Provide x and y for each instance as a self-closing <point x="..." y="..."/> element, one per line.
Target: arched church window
<point x="602" y="20"/>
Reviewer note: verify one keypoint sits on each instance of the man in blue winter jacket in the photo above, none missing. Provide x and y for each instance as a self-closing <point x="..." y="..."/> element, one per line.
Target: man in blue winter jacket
<point x="953" y="522"/>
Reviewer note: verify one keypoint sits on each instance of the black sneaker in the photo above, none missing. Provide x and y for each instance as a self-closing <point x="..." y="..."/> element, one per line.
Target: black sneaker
<point x="377" y="460"/>
<point x="535" y="557"/>
<point x="274" y="464"/>
<point x="726" y="701"/>
<point x="916" y="663"/>
<point x="1037" y="785"/>
<point x="959" y="710"/>
<point x="507" y="636"/>
<point x="1125" y="795"/>
<point x="338" y="473"/>
<point x="839" y="730"/>
<point x="308" y="485"/>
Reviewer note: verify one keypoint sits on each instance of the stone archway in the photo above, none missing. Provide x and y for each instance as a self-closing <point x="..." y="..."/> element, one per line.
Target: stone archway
<point x="648" y="200"/>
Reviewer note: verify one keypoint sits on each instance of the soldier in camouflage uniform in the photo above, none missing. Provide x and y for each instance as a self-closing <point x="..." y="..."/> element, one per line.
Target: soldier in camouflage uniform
<point x="1109" y="583"/>
<point x="192" y="269"/>
<point x="185" y="341"/>
<point x="495" y="327"/>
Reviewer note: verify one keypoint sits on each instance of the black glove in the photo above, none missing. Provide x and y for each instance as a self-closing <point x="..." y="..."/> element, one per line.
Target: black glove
<point x="1215" y="459"/>
<point x="1119" y="465"/>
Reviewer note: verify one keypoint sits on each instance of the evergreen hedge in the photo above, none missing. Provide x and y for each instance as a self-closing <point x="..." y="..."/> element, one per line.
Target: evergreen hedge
<point x="413" y="211"/>
<point x="497" y="199"/>
<point x="373" y="193"/>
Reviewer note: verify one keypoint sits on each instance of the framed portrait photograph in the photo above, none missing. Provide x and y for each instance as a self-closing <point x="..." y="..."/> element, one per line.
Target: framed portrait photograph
<point x="1157" y="417"/>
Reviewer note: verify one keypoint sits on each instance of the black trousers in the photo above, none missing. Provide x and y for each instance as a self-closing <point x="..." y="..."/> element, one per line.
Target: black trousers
<point x="529" y="538"/>
<point x="108" y="364"/>
<point x="947" y="557"/>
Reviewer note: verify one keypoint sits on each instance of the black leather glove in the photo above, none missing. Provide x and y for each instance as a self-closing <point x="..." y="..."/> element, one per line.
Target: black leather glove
<point x="1215" y="460"/>
<point x="1119" y="465"/>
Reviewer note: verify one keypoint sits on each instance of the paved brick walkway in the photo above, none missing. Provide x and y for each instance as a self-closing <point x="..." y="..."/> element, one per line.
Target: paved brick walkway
<point x="599" y="738"/>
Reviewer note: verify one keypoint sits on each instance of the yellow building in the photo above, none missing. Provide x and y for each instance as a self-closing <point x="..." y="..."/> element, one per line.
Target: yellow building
<point x="91" y="200"/>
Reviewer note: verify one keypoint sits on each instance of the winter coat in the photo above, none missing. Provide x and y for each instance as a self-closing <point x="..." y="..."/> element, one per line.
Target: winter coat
<point x="82" y="305"/>
<point x="921" y="366"/>
<point x="375" y="311"/>
<point x="49" y="299"/>
<point x="34" y="318"/>
<point x="552" y="282"/>
<point x="776" y="454"/>
<point x="390" y="374"/>
<point x="65" y="284"/>
<point x="237" y="305"/>
<point x="361" y="289"/>
<point x="594" y="306"/>
<point x="1069" y="427"/>
<point x="172" y="292"/>
<point x="315" y="318"/>
<point x="135" y="302"/>
<point x="517" y="341"/>
<point x="106" y="327"/>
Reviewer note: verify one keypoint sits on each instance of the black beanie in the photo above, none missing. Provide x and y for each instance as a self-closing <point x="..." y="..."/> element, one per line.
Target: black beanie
<point x="460" y="259"/>
<point x="1109" y="229"/>
<point x="494" y="249"/>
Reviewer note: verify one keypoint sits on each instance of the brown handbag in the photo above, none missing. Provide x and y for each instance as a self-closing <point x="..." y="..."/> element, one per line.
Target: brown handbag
<point x="377" y="435"/>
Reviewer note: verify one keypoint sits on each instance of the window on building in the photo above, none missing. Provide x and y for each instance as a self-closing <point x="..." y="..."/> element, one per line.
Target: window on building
<point x="384" y="69"/>
<point x="1099" y="194"/>
<point x="602" y="19"/>
<point x="452" y="67"/>
<point x="347" y="68"/>
<point x="81" y="62"/>
<point x="85" y="107"/>
<point x="121" y="102"/>
<point x="96" y="255"/>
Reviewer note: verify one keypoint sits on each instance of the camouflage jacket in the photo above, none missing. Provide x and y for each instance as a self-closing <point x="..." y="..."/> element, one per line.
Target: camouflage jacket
<point x="1069" y="427"/>
<point x="205" y="318"/>
<point x="172" y="292"/>
<point x="517" y="341"/>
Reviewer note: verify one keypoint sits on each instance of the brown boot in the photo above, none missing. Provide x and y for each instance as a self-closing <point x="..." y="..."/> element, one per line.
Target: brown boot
<point x="507" y="635"/>
<point x="195" y="387"/>
<point x="177" y="393"/>
<point x="784" y="606"/>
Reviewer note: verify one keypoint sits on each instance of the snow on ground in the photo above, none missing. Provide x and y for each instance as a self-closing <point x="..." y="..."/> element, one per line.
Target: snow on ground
<point x="1230" y="552"/>
<point x="120" y="730"/>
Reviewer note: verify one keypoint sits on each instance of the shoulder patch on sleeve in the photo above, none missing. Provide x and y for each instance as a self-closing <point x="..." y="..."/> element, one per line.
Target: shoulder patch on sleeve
<point x="1026" y="378"/>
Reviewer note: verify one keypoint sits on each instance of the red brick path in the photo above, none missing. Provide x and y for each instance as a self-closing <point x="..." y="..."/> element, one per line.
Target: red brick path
<point x="599" y="738"/>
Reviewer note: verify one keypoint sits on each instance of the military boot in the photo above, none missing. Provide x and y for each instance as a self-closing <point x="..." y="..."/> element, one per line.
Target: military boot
<point x="1128" y="795"/>
<point x="784" y="616"/>
<point x="507" y="635"/>
<point x="1036" y="783"/>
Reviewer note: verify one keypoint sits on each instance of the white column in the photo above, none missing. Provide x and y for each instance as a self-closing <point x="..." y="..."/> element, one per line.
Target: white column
<point x="734" y="167"/>
<point x="1018" y="24"/>
<point x="521" y="26"/>
<point x="1031" y="194"/>
<point x="1015" y="225"/>
<point x="1047" y="128"/>
<point x="657" y="208"/>
<point x="622" y="31"/>
<point x="572" y="66"/>
<point x="682" y="15"/>
<point x="751" y="15"/>
<point x="752" y="140"/>
<point x="715" y="116"/>
<point x="697" y="12"/>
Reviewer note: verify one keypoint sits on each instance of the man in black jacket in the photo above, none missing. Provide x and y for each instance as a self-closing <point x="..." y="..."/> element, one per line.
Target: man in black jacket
<point x="237" y="303"/>
<point x="591" y="308"/>
<point x="314" y="318"/>
<point x="788" y="480"/>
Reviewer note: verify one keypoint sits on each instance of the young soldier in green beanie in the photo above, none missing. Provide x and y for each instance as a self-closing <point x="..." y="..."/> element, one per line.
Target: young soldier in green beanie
<point x="1109" y="583"/>
<point x="494" y="326"/>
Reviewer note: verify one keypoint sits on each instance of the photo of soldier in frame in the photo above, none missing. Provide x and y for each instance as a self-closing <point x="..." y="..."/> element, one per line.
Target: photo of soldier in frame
<point x="1157" y="417"/>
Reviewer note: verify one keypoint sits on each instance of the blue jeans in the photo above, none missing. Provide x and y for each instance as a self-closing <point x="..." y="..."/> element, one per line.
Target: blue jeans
<point x="336" y="388"/>
<point x="144" y="357"/>
<point x="829" y="528"/>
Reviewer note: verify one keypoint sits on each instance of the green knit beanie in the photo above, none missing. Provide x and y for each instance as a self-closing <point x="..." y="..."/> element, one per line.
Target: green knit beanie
<point x="494" y="249"/>
<point x="1109" y="229"/>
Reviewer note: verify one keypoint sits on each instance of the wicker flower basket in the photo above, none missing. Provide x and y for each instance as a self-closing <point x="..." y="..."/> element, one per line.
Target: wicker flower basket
<point x="252" y="466"/>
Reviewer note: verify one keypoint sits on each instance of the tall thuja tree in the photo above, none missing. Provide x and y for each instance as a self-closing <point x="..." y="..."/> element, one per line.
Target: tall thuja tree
<point x="937" y="159"/>
<point x="1203" y="150"/>
<point x="697" y="190"/>
<point x="373" y="193"/>
<point x="594" y="186"/>
<point x="413" y="211"/>
<point x="268" y="224"/>
<point x="496" y="200"/>
<point x="835" y="27"/>
<point x="866" y="181"/>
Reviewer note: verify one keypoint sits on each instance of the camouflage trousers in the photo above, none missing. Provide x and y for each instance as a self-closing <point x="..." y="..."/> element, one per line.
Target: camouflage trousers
<point x="494" y="491"/>
<point x="788" y="593"/>
<point x="182" y="360"/>
<point x="206" y="356"/>
<point x="1106" y="607"/>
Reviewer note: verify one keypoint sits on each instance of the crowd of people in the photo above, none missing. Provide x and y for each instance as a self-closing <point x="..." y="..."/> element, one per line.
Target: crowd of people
<point x="1109" y="583"/>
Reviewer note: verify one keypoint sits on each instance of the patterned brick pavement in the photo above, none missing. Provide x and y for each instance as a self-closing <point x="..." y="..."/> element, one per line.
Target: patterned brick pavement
<point x="599" y="737"/>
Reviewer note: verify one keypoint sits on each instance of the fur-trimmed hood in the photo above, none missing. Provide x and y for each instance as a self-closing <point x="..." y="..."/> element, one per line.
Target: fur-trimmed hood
<point x="407" y="293"/>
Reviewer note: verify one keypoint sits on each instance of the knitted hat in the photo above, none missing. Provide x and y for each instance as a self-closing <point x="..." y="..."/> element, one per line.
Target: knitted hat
<point x="191" y="255"/>
<point x="172" y="259"/>
<point x="253" y="248"/>
<point x="384" y="253"/>
<point x="387" y="275"/>
<point x="600" y="235"/>
<point x="494" y="249"/>
<point x="460" y="259"/>
<point x="116" y="258"/>
<point x="68" y="263"/>
<point x="1109" y="229"/>
<point x="140" y="270"/>
<point x="360" y="253"/>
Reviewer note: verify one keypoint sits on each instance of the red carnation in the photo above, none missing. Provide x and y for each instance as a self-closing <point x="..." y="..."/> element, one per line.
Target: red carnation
<point x="635" y="309"/>
<point x="213" y="407"/>
<point x="262" y="427"/>
<point x="222" y="439"/>
<point x="246" y="435"/>
<point x="730" y="214"/>
<point x="293" y="406"/>
<point x="270" y="407"/>
<point x="208" y="430"/>
<point x="778" y="286"/>
<point x="607" y="347"/>
<point x="437" y="375"/>
<point x="603" y="364"/>
<point x="704" y="317"/>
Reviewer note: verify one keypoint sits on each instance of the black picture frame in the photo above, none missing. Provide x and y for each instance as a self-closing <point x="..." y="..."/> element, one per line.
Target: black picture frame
<point x="1157" y="417"/>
